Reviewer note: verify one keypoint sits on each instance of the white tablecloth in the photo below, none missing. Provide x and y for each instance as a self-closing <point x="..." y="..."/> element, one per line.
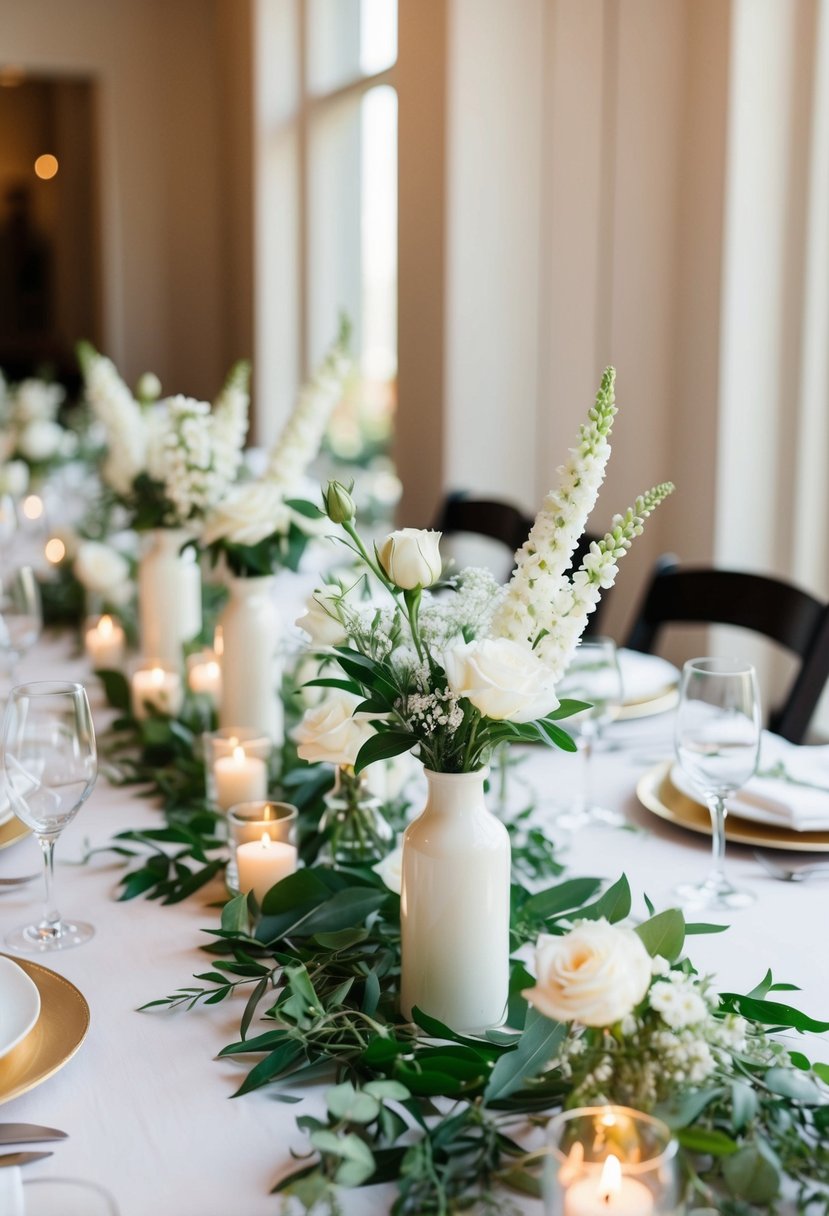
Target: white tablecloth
<point x="145" y="1103"/>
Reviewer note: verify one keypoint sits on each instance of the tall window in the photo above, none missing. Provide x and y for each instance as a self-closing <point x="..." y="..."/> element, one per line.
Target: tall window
<point x="326" y="205"/>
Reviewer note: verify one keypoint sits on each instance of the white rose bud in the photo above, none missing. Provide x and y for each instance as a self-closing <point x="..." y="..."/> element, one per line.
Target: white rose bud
<point x="148" y="387"/>
<point x="502" y="679"/>
<point x="596" y="974"/>
<point x="330" y="733"/>
<point x="40" y="440"/>
<point x="411" y="557"/>
<point x="320" y="619"/>
<point x="101" y="569"/>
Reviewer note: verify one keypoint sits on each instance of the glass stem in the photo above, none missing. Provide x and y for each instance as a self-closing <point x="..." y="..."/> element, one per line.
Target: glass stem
<point x="717" y="808"/>
<point x="586" y="749"/>
<point x="50" y="926"/>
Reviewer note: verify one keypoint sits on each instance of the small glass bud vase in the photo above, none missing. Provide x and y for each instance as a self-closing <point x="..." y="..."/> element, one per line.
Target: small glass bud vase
<point x="353" y="825"/>
<point x="610" y="1161"/>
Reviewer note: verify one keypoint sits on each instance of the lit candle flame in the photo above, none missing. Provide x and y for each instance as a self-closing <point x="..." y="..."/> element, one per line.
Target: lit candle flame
<point x="610" y="1183"/>
<point x="157" y="676"/>
<point x="213" y="670"/>
<point x="266" y="840"/>
<point x="219" y="641"/>
<point x="105" y="626"/>
<point x="239" y="755"/>
<point x="33" y="507"/>
<point x="55" y="550"/>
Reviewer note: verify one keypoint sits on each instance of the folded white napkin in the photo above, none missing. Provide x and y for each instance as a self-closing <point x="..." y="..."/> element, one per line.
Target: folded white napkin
<point x="645" y="675"/>
<point x="11" y="1191"/>
<point x="790" y="790"/>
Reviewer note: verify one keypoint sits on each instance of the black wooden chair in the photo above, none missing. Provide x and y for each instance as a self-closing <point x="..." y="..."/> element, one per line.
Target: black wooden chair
<point x="775" y="609"/>
<point x="504" y="522"/>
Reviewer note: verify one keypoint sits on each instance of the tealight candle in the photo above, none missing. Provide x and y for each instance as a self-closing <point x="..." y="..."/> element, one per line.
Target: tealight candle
<point x="104" y="643"/>
<point x="609" y="1194"/>
<point x="204" y="675"/>
<point x="263" y="863"/>
<point x="159" y="689"/>
<point x="239" y="778"/>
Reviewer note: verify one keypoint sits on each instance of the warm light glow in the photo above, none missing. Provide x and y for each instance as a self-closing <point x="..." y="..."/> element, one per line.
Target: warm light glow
<point x="239" y="755"/>
<point x="55" y="550"/>
<point x="157" y="676"/>
<point x="610" y="1183"/>
<point x="266" y="840"/>
<point x="233" y="743"/>
<point x="219" y="641"/>
<point x="213" y="670"/>
<point x="105" y="626"/>
<point x="46" y="166"/>
<point x="573" y="1165"/>
<point x="33" y="506"/>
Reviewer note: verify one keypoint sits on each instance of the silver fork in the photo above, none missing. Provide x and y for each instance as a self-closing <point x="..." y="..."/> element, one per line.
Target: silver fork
<point x="792" y="873"/>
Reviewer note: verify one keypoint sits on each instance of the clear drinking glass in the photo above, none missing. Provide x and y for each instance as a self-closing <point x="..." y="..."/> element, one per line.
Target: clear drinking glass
<point x="593" y="676"/>
<point x="9" y="524"/>
<point x="717" y="745"/>
<point x="21" y="616"/>
<point x="50" y="765"/>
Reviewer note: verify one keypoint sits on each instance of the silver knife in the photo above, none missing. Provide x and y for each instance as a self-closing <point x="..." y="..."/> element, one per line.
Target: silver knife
<point x="21" y="1158"/>
<point x="28" y="1133"/>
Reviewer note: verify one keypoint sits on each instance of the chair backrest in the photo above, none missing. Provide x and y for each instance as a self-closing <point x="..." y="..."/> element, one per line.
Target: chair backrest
<point x="502" y="521"/>
<point x="768" y="606"/>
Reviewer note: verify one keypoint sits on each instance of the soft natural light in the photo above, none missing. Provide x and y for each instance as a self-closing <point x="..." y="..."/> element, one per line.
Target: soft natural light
<point x="379" y="233"/>
<point x="378" y="35"/>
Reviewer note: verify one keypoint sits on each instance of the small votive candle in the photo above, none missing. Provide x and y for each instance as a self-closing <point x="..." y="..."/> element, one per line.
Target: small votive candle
<point x="248" y="820"/>
<point x="263" y="863"/>
<point x="220" y="744"/>
<point x="239" y="778"/>
<point x="610" y="1161"/>
<point x="105" y="642"/>
<point x="204" y="675"/>
<point x="156" y="688"/>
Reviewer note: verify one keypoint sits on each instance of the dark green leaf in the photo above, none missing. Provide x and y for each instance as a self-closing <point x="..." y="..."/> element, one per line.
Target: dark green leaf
<point x="664" y="934"/>
<point x="536" y="1046"/>
<point x="383" y="747"/>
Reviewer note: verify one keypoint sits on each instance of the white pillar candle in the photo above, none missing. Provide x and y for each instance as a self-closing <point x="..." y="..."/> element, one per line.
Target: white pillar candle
<point x="158" y="688"/>
<point x="611" y="1193"/>
<point x="262" y="863"/>
<point x="104" y="642"/>
<point x="240" y="778"/>
<point x="204" y="675"/>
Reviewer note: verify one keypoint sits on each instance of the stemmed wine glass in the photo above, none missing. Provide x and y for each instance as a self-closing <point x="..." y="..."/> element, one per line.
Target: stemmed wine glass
<point x="593" y="676"/>
<point x="21" y="617"/>
<point x="717" y="746"/>
<point x="50" y="764"/>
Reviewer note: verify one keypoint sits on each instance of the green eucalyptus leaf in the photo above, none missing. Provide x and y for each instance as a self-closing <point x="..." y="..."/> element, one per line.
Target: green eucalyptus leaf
<point x="351" y="1105"/>
<point x="345" y="910"/>
<point x="744" y="1104"/>
<point x="664" y="934"/>
<point x="235" y="917"/>
<point x="614" y="905"/>
<point x="387" y="1091"/>
<point x="751" y="1174"/>
<point x="795" y="1085"/>
<point x="710" y="1141"/>
<point x="535" y="1048"/>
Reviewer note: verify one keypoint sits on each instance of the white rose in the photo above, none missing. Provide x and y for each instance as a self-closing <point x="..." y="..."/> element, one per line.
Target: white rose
<point x="247" y="515"/>
<point x="40" y="440"/>
<point x="390" y="869"/>
<point x="329" y="732"/>
<point x="101" y="570"/>
<point x="320" y="620"/>
<point x="596" y="974"/>
<point x="14" y="478"/>
<point x="501" y="678"/>
<point x="411" y="557"/>
<point x="37" y="400"/>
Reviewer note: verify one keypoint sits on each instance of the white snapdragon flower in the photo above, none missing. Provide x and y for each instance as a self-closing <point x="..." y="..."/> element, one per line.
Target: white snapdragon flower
<point x="229" y="425"/>
<point x="120" y="415"/>
<point x="37" y="401"/>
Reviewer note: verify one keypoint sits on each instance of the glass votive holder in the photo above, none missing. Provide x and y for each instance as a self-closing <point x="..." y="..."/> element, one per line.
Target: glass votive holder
<point x="610" y="1161"/>
<point x="155" y="686"/>
<point x="235" y="766"/>
<point x="204" y="675"/>
<point x="105" y="642"/>
<point x="249" y="822"/>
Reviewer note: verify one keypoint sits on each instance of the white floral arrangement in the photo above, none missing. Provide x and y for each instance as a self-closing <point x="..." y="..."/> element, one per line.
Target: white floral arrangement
<point x="32" y="439"/>
<point x="457" y="671"/>
<point x="261" y="525"/>
<point x="169" y="461"/>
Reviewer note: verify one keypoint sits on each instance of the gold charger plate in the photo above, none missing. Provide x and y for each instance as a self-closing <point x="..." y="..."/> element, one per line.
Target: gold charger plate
<point x="658" y="794"/>
<point x="53" y="1040"/>
<point x="11" y="831"/>
<point x="657" y="703"/>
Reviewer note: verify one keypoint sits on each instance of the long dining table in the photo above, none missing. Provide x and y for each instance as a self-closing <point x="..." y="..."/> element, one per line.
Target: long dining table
<point x="145" y="1102"/>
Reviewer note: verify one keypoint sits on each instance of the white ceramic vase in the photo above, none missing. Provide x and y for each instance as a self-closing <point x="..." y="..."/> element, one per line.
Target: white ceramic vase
<point x="455" y="899"/>
<point x="251" y="631"/>
<point x="169" y="595"/>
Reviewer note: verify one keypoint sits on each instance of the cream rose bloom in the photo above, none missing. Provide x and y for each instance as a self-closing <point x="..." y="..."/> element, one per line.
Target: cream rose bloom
<point x="596" y="974"/>
<point x="501" y="678"/>
<point x="40" y="440"/>
<point x="102" y="570"/>
<point x="38" y="400"/>
<point x="247" y="515"/>
<point x="330" y="733"/>
<point x="320" y="620"/>
<point x="411" y="557"/>
<point x="390" y="870"/>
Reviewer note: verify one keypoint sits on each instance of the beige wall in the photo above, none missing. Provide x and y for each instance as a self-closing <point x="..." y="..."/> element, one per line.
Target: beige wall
<point x="161" y="67"/>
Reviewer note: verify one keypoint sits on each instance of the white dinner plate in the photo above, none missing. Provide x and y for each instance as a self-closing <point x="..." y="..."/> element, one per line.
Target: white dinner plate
<point x="5" y="807"/>
<point x="650" y="684"/>
<point x="19" y="1005"/>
